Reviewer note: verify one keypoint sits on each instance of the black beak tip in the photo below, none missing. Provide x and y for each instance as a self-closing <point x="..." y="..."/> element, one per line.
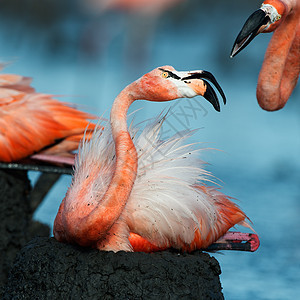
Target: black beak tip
<point x="210" y="90"/>
<point x="249" y="31"/>
<point x="211" y="96"/>
<point x="224" y="99"/>
<point x="234" y="50"/>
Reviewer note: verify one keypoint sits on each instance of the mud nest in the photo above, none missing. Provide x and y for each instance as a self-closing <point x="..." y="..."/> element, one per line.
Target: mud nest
<point x="16" y="226"/>
<point x="47" y="269"/>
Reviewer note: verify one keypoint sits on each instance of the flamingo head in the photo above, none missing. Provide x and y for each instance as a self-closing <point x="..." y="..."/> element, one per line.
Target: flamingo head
<point x="165" y="84"/>
<point x="265" y="19"/>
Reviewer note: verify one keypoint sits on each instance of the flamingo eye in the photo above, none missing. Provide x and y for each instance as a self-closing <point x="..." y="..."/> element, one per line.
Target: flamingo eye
<point x="165" y="74"/>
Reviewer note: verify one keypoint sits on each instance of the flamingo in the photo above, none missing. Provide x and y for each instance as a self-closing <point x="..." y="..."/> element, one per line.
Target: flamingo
<point x="140" y="193"/>
<point x="33" y="123"/>
<point x="281" y="67"/>
<point x="154" y="7"/>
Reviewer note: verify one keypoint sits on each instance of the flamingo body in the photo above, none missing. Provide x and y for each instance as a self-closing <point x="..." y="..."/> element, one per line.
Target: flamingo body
<point x="31" y="122"/>
<point x="155" y="197"/>
<point x="281" y="67"/>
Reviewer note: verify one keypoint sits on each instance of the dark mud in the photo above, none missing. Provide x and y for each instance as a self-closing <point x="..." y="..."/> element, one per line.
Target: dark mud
<point x="47" y="269"/>
<point x="16" y="225"/>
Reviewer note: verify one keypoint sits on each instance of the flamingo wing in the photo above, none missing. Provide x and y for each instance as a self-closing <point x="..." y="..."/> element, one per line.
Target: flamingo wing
<point x="33" y="122"/>
<point x="170" y="204"/>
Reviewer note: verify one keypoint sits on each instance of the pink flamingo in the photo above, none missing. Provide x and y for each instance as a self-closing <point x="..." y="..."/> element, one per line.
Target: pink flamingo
<point x="141" y="193"/>
<point x="33" y="123"/>
<point x="153" y="7"/>
<point x="281" y="67"/>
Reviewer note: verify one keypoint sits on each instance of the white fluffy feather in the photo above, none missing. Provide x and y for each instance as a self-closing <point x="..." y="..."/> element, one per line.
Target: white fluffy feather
<point x="164" y="206"/>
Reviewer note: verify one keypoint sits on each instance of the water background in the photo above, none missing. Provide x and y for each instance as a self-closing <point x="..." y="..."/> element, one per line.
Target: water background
<point x="90" y="57"/>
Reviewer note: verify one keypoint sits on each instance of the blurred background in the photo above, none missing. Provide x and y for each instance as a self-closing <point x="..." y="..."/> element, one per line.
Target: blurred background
<point x="87" y="51"/>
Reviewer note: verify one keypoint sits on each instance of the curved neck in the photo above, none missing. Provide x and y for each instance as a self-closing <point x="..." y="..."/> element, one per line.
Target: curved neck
<point x="96" y="224"/>
<point x="118" y="113"/>
<point x="280" y="69"/>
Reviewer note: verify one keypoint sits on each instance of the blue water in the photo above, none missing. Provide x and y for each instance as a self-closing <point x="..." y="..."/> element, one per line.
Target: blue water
<point x="258" y="164"/>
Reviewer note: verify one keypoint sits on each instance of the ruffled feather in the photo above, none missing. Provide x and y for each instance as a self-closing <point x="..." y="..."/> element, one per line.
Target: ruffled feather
<point x="169" y="205"/>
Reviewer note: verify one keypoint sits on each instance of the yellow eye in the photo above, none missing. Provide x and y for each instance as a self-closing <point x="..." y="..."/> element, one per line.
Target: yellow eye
<point x="165" y="74"/>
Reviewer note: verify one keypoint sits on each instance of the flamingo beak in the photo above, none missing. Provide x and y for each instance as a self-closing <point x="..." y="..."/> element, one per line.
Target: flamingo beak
<point x="196" y="81"/>
<point x="254" y="25"/>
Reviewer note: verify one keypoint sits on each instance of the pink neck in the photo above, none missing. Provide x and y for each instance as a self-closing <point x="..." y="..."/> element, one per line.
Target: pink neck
<point x="281" y="66"/>
<point x="96" y="224"/>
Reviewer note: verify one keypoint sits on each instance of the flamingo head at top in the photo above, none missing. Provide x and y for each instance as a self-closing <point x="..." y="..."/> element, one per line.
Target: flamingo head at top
<point x="165" y="84"/>
<point x="265" y="19"/>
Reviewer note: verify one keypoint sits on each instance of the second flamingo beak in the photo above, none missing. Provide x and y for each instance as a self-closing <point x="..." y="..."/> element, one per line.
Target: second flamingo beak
<point x="254" y="25"/>
<point x="196" y="81"/>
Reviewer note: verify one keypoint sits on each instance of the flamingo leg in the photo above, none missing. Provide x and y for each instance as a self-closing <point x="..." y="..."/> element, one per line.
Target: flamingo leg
<point x="229" y="241"/>
<point x="236" y="241"/>
<point x="35" y="167"/>
<point x="55" y="159"/>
